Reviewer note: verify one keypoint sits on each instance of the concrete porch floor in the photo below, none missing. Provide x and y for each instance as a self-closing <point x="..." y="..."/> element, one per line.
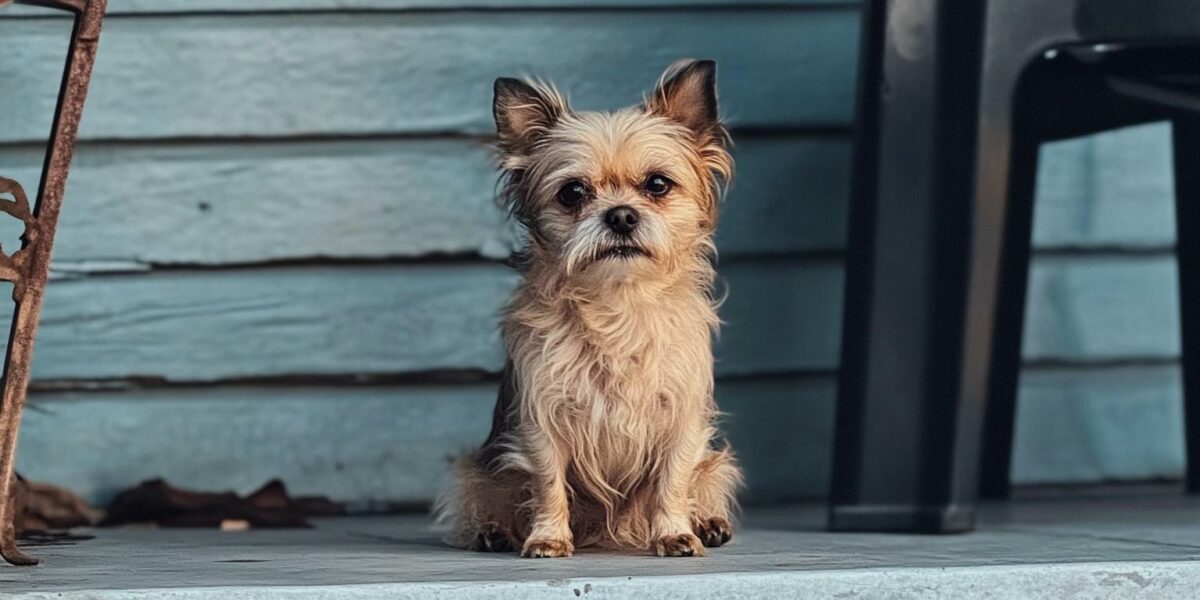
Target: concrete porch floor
<point x="1128" y="543"/>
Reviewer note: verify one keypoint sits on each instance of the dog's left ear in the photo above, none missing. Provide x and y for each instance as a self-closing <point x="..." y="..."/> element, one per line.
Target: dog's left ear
<point x="687" y="93"/>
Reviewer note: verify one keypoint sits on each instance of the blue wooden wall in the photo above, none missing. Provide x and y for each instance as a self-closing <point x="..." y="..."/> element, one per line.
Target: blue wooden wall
<point x="279" y="254"/>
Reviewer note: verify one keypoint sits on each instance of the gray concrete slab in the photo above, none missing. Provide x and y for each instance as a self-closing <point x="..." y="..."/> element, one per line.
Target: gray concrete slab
<point x="1107" y="547"/>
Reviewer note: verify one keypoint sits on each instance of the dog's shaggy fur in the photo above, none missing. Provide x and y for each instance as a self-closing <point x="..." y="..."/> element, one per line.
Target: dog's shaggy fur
<point x="604" y="433"/>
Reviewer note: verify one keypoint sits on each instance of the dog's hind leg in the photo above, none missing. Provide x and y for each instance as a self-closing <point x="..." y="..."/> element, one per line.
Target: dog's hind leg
<point x="485" y="508"/>
<point x="713" y="495"/>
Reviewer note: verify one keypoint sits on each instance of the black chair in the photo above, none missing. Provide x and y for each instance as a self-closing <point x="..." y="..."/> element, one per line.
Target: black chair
<point x="954" y="98"/>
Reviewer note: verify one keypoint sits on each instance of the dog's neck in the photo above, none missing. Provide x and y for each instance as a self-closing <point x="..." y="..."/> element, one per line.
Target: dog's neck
<point x="612" y="310"/>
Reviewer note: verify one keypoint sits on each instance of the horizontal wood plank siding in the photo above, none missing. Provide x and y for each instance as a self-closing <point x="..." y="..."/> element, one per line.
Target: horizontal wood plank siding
<point x="385" y="319"/>
<point x="1079" y="426"/>
<point x="1115" y="189"/>
<point x="780" y="316"/>
<point x="399" y="74"/>
<point x="362" y="443"/>
<point x="224" y="203"/>
<point x="379" y="445"/>
<point x="215" y="204"/>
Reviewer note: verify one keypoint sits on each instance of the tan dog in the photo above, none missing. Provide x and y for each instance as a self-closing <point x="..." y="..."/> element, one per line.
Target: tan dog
<point x="604" y="433"/>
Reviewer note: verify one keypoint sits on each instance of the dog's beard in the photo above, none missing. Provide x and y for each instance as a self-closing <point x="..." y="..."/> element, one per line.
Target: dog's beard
<point x="592" y="241"/>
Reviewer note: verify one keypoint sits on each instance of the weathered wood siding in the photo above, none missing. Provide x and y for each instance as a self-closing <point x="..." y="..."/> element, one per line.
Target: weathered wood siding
<point x="280" y="256"/>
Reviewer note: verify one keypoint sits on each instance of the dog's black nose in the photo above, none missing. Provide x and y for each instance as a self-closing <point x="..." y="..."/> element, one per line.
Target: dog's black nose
<point x="621" y="219"/>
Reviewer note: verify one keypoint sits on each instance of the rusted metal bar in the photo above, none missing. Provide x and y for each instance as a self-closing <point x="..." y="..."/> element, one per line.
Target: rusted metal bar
<point x="29" y="267"/>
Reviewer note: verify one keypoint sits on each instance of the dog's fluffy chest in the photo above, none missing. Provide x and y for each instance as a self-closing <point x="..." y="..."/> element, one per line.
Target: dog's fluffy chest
<point x="616" y="387"/>
<point x="606" y="361"/>
<point x="619" y="419"/>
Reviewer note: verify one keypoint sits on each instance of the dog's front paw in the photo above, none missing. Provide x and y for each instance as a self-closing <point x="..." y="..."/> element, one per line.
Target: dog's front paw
<point x="492" y="538"/>
<point x="714" y="532"/>
<point x="548" y="549"/>
<point x="684" y="544"/>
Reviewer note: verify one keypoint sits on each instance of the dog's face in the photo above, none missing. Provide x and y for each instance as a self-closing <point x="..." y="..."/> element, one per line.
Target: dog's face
<point x="623" y="196"/>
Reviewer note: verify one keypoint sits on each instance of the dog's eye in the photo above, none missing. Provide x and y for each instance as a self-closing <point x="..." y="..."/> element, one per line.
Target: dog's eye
<point x="657" y="185"/>
<point x="572" y="194"/>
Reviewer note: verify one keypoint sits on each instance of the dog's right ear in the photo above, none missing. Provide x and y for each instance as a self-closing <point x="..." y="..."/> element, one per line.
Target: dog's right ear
<point x="687" y="94"/>
<point x="524" y="112"/>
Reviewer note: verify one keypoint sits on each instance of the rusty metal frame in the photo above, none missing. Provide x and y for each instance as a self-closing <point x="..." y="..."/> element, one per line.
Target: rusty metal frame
<point x="29" y="267"/>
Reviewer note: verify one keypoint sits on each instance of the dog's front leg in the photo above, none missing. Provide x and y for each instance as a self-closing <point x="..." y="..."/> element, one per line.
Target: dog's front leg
<point x="672" y="518"/>
<point x="550" y="534"/>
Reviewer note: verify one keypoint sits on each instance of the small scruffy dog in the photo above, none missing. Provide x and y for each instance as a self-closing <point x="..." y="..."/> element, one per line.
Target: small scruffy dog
<point x="604" y="432"/>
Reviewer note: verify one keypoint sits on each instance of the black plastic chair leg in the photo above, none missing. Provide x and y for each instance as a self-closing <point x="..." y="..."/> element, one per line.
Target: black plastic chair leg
<point x="1003" y="379"/>
<point x="1187" y="218"/>
<point x="910" y="408"/>
<point x="995" y="463"/>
